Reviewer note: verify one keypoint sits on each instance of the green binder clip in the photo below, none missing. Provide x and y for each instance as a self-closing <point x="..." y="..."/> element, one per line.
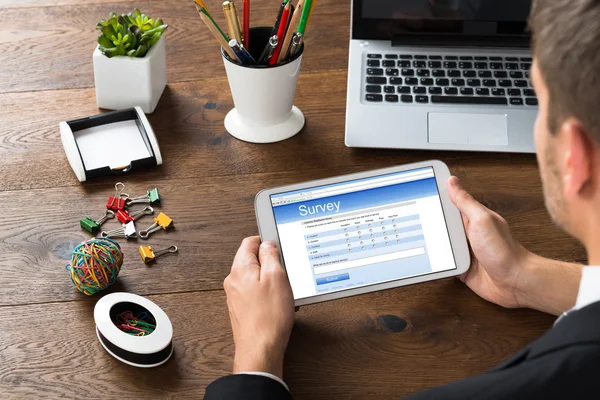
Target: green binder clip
<point x="151" y="197"/>
<point x="93" y="226"/>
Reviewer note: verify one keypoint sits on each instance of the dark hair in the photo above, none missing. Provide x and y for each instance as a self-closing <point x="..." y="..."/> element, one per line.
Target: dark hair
<point x="566" y="43"/>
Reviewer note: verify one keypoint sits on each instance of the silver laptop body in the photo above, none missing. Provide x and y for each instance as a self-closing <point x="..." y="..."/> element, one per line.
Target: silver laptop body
<point x="440" y="75"/>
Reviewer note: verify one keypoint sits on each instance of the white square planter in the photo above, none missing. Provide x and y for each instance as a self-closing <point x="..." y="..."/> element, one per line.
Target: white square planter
<point x="123" y="82"/>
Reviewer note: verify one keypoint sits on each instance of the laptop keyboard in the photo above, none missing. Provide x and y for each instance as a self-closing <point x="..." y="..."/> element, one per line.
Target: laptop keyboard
<point x="451" y="79"/>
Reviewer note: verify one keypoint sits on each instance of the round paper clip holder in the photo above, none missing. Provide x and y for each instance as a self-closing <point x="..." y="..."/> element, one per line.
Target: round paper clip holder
<point x="139" y="351"/>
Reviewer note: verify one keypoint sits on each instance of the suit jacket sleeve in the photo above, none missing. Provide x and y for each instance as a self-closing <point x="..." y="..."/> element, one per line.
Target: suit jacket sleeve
<point x="566" y="373"/>
<point x="237" y="387"/>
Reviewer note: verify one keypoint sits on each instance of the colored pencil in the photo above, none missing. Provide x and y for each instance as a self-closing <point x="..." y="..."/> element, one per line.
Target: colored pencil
<point x="283" y="24"/>
<point x="203" y="10"/>
<point x="285" y="48"/>
<point x="201" y="4"/>
<point x="312" y="7"/>
<point x="278" y="19"/>
<point x="247" y="24"/>
<point x="304" y="17"/>
<point x="215" y="30"/>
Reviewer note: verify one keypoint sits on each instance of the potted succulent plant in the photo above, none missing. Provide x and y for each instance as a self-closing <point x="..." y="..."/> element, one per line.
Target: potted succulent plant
<point x="130" y="66"/>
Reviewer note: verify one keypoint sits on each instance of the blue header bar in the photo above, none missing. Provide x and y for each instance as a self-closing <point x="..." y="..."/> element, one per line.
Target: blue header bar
<point x="333" y="205"/>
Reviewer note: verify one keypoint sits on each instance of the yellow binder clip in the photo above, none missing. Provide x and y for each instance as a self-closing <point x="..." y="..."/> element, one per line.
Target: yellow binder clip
<point x="148" y="255"/>
<point x="161" y="221"/>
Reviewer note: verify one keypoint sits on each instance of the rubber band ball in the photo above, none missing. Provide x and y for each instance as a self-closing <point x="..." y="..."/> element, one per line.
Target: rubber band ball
<point x="95" y="264"/>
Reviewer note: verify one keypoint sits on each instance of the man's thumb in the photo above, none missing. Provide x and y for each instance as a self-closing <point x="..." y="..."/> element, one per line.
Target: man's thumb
<point x="268" y="255"/>
<point x="463" y="199"/>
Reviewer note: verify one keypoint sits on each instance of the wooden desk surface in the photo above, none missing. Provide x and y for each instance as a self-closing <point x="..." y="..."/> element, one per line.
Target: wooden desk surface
<point x="353" y="348"/>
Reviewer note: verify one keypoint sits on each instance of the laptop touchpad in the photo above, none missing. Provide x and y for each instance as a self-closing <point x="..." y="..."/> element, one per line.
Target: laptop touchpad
<point x="465" y="128"/>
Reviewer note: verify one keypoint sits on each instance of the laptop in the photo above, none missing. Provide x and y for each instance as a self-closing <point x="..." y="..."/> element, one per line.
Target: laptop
<point x="440" y="75"/>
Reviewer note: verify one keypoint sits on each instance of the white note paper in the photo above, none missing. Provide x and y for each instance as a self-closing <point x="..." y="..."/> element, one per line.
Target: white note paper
<point x="114" y="145"/>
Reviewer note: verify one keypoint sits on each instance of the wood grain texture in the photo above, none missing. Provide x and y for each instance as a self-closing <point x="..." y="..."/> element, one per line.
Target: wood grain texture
<point x="347" y="349"/>
<point x="53" y="3"/>
<point x="56" y="43"/>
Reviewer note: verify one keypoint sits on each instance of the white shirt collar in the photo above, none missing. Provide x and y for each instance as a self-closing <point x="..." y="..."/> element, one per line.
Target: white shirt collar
<point x="589" y="290"/>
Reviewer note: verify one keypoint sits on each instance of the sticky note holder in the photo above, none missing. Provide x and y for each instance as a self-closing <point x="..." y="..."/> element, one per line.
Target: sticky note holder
<point x="112" y="143"/>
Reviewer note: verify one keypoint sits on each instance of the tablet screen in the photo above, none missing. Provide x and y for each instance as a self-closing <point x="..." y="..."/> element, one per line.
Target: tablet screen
<point x="362" y="232"/>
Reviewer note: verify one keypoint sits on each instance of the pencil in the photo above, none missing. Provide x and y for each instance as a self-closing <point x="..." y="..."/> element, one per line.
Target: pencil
<point x="304" y="17"/>
<point x="290" y="32"/>
<point x="246" y="24"/>
<point x="216" y="31"/>
<point x="201" y="4"/>
<point x="283" y="24"/>
<point x="312" y="7"/>
<point x="278" y="19"/>
<point x="202" y="10"/>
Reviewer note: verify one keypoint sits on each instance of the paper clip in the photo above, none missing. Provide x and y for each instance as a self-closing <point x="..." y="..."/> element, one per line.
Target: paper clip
<point x="91" y="225"/>
<point x="151" y="197"/>
<point x="161" y="221"/>
<point x="149" y="255"/>
<point x="117" y="202"/>
<point x="127" y="231"/>
<point x="125" y="217"/>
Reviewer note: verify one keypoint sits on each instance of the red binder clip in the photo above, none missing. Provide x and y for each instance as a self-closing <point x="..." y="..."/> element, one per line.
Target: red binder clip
<point x="124" y="216"/>
<point x="117" y="202"/>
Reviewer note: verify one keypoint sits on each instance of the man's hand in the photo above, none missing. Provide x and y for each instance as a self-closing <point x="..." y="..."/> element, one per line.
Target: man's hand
<point x="503" y="271"/>
<point x="497" y="258"/>
<point x="261" y="308"/>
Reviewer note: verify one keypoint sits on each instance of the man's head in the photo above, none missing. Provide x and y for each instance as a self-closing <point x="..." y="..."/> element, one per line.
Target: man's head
<point x="566" y="77"/>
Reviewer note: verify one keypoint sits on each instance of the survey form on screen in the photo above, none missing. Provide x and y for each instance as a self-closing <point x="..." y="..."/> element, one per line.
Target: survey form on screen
<point x="362" y="232"/>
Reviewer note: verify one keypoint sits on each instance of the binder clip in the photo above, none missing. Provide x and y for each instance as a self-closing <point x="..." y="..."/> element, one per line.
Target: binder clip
<point x="151" y="197"/>
<point x="149" y="255"/>
<point x="125" y="217"/>
<point x="92" y="226"/>
<point x="127" y="231"/>
<point x="161" y="221"/>
<point x="117" y="202"/>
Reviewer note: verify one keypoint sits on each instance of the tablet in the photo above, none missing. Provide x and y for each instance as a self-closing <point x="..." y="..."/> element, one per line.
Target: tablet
<point x="364" y="232"/>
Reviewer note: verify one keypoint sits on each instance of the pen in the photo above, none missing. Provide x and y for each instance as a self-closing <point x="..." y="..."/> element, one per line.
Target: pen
<point x="232" y="21"/>
<point x="296" y="43"/>
<point x="268" y="51"/>
<point x="241" y="52"/>
<point x="283" y="24"/>
<point x="215" y="30"/>
<point x="246" y="24"/>
<point x="285" y="47"/>
<point x="304" y="17"/>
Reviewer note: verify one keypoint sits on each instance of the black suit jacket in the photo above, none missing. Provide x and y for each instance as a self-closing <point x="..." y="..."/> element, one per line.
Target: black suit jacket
<point x="563" y="364"/>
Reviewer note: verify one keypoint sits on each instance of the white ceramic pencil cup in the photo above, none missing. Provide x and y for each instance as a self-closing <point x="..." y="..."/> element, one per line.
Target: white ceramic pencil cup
<point x="263" y="96"/>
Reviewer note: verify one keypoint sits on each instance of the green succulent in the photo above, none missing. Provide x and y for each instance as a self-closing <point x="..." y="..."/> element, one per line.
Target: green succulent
<point x="130" y="34"/>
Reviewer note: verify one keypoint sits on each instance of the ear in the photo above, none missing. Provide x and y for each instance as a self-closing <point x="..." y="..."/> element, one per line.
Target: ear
<point x="577" y="162"/>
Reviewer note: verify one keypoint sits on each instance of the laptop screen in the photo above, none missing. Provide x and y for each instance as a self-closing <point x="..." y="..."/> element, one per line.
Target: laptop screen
<point x="386" y="19"/>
